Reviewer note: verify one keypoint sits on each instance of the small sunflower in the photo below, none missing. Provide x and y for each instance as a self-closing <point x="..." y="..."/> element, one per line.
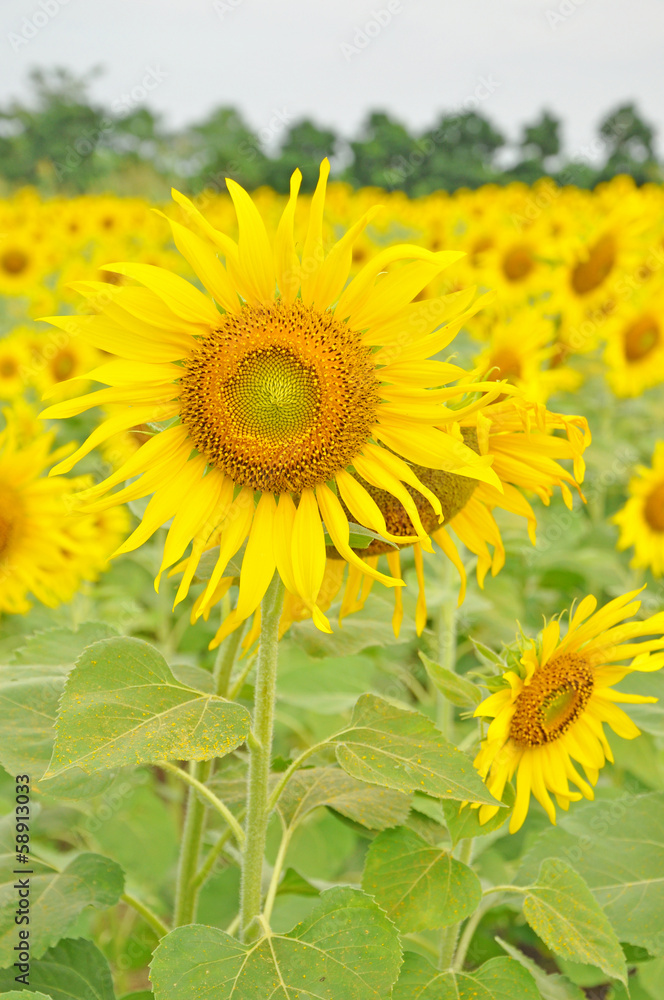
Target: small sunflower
<point x="641" y="520"/>
<point x="551" y="712"/>
<point x="275" y="406"/>
<point x="46" y="551"/>
<point x="14" y="367"/>
<point x="634" y="352"/>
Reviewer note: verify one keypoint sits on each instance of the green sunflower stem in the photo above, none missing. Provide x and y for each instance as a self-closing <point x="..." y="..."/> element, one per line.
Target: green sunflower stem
<point x="186" y="889"/>
<point x="450" y="935"/>
<point x="260" y="750"/>
<point x="447" y="646"/>
<point x="225" y="660"/>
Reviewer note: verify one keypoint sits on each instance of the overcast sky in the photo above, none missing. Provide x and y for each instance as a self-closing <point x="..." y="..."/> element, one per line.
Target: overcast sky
<point x="278" y="60"/>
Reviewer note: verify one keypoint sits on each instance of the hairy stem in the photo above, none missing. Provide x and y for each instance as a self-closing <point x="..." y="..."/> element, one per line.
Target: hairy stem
<point x="446" y="647"/>
<point x="186" y="893"/>
<point x="195" y="783"/>
<point x="153" y="921"/>
<point x="225" y="660"/>
<point x="260" y="749"/>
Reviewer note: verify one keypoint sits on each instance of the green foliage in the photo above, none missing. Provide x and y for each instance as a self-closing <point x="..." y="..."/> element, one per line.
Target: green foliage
<point x="497" y="979"/>
<point x="463" y="822"/>
<point x="419" y="887"/>
<point x="56" y="899"/>
<point x="372" y="806"/>
<point x="123" y="705"/>
<point x="550" y="986"/>
<point x="561" y="909"/>
<point x="74" y="969"/>
<point x="618" y="849"/>
<point x="346" y="948"/>
<point x="401" y="749"/>
<point x="30" y="689"/>
<point x="63" y="141"/>
<point x="456" y="688"/>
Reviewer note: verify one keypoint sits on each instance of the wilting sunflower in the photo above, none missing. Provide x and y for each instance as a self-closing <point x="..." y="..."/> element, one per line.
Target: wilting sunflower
<point x="46" y="551"/>
<point x="641" y="520"/>
<point x="551" y="713"/>
<point x="276" y="406"/>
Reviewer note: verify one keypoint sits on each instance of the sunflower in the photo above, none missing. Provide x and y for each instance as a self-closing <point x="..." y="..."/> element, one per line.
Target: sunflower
<point x="45" y="550"/>
<point x="523" y="351"/>
<point x="14" y="366"/>
<point x="526" y="454"/>
<point x="634" y="353"/>
<point x="641" y="520"/>
<point x="551" y="712"/>
<point x="270" y="407"/>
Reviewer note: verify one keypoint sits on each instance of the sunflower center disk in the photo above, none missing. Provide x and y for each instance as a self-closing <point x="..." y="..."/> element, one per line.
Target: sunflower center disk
<point x="653" y="509"/>
<point x="280" y="398"/>
<point x="589" y="274"/>
<point x="555" y="698"/>
<point x="453" y="491"/>
<point x="641" y="338"/>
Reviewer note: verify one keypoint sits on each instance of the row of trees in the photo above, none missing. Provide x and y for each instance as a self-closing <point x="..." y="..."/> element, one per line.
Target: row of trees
<point x="61" y="140"/>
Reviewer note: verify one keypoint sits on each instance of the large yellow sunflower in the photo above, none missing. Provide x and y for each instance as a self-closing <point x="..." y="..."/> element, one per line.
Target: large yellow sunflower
<point x="46" y="551"/>
<point x="553" y="707"/>
<point x="641" y="520"/>
<point x="274" y="404"/>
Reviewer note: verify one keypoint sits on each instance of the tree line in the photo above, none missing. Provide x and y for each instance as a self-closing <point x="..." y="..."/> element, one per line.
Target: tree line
<point x="60" y="140"/>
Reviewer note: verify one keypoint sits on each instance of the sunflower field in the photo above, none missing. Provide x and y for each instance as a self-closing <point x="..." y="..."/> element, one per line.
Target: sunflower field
<point x="331" y="613"/>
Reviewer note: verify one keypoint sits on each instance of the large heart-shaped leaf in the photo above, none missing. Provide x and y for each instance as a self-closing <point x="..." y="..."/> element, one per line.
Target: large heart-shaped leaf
<point x="419" y="886"/>
<point x="30" y="689"/>
<point x="122" y="704"/>
<point x="373" y="806"/>
<point x="561" y="909"/>
<point x="347" y="949"/>
<point x="56" y="899"/>
<point x="497" y="979"/>
<point x="74" y="969"/>
<point x="617" y="847"/>
<point x="392" y="746"/>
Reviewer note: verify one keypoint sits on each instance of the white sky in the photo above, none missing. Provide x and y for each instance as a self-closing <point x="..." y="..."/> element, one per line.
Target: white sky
<point x="576" y="57"/>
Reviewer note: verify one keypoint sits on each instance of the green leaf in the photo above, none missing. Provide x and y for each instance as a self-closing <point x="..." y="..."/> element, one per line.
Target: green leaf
<point x="358" y="632"/>
<point x="400" y="749"/>
<point x="463" y="822"/>
<point x="551" y="987"/>
<point x="292" y="884"/>
<point x="30" y="689"/>
<point x="123" y="705"/>
<point x="561" y="909"/>
<point x="454" y="687"/>
<point x="418" y="886"/>
<point x="139" y="995"/>
<point x="497" y="979"/>
<point x="74" y="969"/>
<point x="371" y="805"/>
<point x="23" y="995"/>
<point x="328" y="686"/>
<point x="56" y="899"/>
<point x="360" y="537"/>
<point x="346" y="949"/>
<point x="618" y="848"/>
